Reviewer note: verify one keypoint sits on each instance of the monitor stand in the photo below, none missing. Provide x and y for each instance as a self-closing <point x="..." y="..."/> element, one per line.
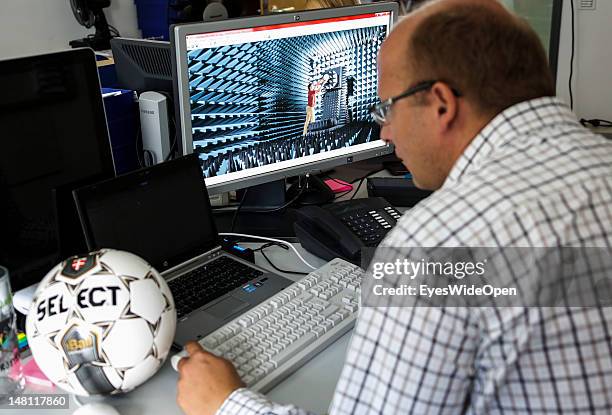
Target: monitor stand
<point x="264" y="211"/>
<point x="266" y="196"/>
<point x="310" y="190"/>
<point x="307" y="190"/>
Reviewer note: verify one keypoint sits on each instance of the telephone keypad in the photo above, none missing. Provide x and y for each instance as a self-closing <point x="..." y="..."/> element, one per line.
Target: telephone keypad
<point x="371" y="226"/>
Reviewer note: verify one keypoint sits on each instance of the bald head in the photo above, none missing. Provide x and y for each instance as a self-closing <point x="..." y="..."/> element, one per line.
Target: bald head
<point x="472" y="59"/>
<point x="477" y="45"/>
<point x="404" y="29"/>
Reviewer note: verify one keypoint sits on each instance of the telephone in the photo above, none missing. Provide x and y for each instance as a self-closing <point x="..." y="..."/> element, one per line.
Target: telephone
<point x="343" y="229"/>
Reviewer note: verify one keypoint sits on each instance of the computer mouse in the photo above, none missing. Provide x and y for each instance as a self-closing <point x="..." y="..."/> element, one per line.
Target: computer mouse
<point x="175" y="359"/>
<point x="96" y="409"/>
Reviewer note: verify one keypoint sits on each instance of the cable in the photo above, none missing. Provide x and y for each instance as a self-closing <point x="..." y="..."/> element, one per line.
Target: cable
<point x="138" y="141"/>
<point x="340" y="182"/>
<point x="571" y="76"/>
<point x="279" y="269"/>
<point x="595" y="122"/>
<point x="114" y="31"/>
<point x="362" y="180"/>
<point x="269" y="244"/>
<point x="243" y="235"/>
<point x="286" y="205"/>
<point x="238" y="209"/>
<point x="175" y="141"/>
<point x="358" y="187"/>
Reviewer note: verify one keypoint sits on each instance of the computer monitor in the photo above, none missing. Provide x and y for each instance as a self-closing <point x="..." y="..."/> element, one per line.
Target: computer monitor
<point x="266" y="98"/>
<point x="54" y="138"/>
<point x="142" y="64"/>
<point x="544" y="16"/>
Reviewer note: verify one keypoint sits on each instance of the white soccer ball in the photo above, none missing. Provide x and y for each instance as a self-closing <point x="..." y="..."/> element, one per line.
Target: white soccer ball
<point x="101" y="324"/>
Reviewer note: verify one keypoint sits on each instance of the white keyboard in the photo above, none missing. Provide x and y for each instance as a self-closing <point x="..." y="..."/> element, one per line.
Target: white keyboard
<point x="272" y="340"/>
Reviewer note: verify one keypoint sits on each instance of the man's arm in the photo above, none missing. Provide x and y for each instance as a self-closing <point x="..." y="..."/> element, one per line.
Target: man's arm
<point x="209" y="384"/>
<point x="400" y="360"/>
<point x="246" y="402"/>
<point x="319" y="84"/>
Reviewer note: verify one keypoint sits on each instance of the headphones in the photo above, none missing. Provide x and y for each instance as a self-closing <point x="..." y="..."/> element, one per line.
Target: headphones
<point x="215" y="10"/>
<point x="208" y="10"/>
<point x="595" y="122"/>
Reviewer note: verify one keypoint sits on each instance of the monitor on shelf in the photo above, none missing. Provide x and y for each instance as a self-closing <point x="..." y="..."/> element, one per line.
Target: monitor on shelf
<point x="243" y="92"/>
<point x="54" y="138"/>
<point x="142" y="64"/>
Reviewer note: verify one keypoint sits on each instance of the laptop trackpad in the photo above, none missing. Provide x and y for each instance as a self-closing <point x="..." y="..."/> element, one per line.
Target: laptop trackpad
<point x="227" y="307"/>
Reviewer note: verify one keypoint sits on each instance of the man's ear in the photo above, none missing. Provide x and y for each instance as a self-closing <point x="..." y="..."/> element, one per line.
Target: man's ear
<point x="446" y="104"/>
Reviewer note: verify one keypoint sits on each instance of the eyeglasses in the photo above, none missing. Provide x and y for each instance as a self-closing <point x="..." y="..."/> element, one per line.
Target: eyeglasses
<point x="380" y="111"/>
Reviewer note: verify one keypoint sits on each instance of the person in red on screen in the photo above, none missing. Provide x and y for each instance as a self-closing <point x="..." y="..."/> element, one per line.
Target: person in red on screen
<point x="313" y="89"/>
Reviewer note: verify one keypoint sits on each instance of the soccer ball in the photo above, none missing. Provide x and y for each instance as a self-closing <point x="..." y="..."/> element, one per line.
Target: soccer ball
<point x="101" y="324"/>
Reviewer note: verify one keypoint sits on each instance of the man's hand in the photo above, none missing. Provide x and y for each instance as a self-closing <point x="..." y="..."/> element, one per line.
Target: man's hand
<point x="205" y="381"/>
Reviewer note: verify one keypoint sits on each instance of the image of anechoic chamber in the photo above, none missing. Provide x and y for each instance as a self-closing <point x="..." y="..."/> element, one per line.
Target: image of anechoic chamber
<point x="248" y="101"/>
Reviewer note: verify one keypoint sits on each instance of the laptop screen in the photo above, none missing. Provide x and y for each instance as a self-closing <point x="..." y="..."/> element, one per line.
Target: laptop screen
<point x="161" y="213"/>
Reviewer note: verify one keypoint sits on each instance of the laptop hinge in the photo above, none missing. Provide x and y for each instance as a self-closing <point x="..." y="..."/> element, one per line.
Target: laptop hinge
<point x="192" y="263"/>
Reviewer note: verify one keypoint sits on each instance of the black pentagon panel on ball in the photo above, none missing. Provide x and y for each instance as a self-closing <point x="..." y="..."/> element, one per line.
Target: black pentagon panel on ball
<point x="77" y="266"/>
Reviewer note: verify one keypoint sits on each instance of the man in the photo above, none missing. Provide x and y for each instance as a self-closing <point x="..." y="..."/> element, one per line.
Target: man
<point x="467" y="99"/>
<point x="313" y="89"/>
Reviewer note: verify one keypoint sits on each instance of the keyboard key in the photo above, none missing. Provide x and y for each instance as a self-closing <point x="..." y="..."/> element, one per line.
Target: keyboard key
<point x="244" y="322"/>
<point x="327" y="325"/>
<point x="318" y="331"/>
<point x="258" y="373"/>
<point x="329" y="310"/>
<point x="296" y="346"/>
<point x="268" y="367"/>
<point x="209" y="343"/>
<point x="343" y="313"/>
<point x="351" y="307"/>
<point x="335" y="319"/>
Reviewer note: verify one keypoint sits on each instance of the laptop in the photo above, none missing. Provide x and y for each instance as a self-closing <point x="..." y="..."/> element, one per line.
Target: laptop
<point x="163" y="214"/>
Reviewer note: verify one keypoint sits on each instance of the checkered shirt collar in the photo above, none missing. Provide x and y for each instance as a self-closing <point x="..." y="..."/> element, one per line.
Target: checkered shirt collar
<point x="520" y="120"/>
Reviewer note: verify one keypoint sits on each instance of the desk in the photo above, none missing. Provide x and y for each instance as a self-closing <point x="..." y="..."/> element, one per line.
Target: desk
<point x="311" y="387"/>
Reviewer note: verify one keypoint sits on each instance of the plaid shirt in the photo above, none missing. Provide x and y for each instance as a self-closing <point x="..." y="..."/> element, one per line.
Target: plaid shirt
<point x="532" y="177"/>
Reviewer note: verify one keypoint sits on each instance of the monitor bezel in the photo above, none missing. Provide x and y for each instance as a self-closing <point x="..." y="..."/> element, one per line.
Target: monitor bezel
<point x="83" y="196"/>
<point x="79" y="54"/>
<point x="178" y="43"/>
<point x="555" y="37"/>
<point x="24" y="276"/>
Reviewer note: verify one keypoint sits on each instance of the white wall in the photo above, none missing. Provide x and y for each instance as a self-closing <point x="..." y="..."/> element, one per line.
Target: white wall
<point x="33" y="26"/>
<point x="592" y="84"/>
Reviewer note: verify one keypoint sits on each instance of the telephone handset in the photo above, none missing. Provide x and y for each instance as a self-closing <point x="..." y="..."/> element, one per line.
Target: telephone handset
<point x="343" y="229"/>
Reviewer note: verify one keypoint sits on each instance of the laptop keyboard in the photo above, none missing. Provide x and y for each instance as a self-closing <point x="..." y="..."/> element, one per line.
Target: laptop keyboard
<point x="212" y="280"/>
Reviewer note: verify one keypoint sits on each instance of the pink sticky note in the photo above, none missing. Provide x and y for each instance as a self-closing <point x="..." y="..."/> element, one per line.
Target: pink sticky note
<point x="34" y="376"/>
<point x="338" y="186"/>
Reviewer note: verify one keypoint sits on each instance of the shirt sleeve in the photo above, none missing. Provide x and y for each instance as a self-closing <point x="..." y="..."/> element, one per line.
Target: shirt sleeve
<point x="408" y="360"/>
<point x="246" y="402"/>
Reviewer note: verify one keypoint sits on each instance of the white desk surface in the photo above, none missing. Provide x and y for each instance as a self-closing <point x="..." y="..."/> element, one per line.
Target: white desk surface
<point x="310" y="387"/>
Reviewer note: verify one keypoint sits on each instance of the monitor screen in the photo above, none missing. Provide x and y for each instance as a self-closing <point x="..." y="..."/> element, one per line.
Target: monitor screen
<point x="54" y="136"/>
<point x="161" y="213"/>
<point x="281" y="97"/>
